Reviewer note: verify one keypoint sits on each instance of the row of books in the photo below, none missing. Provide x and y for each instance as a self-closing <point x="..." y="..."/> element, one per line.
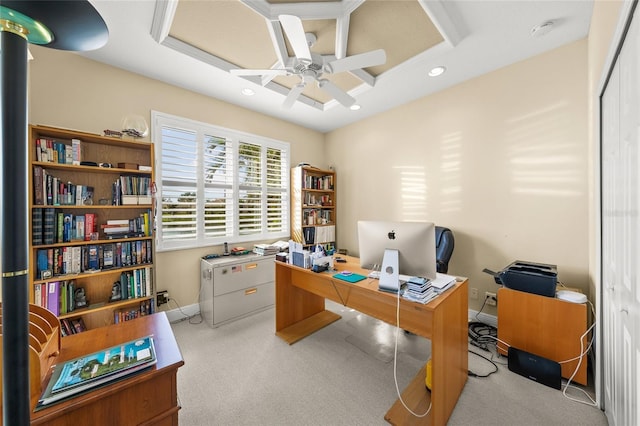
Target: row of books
<point x="122" y="228"/>
<point x="52" y="151"/>
<point x="147" y="307"/>
<point x="51" y="226"/>
<point x="314" y="199"/>
<point x="135" y="185"/>
<point x="69" y="326"/>
<point x="57" y="261"/>
<point x="318" y="182"/>
<point x="121" y="198"/>
<point x="319" y="234"/>
<point x="48" y="190"/>
<point x="57" y="296"/>
<point x="133" y="284"/>
<point x="316" y="217"/>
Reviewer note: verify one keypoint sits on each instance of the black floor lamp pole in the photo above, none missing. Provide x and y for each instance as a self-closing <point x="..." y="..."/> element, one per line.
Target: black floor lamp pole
<point x="15" y="233"/>
<point x="65" y="25"/>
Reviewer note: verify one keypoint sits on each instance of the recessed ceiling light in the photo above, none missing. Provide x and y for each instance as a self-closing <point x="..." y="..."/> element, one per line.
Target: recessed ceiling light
<point x="436" y="71"/>
<point x="354" y="107"/>
<point x="248" y="92"/>
<point x="542" y="29"/>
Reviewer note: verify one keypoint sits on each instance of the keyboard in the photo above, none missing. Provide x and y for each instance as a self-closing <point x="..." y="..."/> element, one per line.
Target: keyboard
<point x="376" y="276"/>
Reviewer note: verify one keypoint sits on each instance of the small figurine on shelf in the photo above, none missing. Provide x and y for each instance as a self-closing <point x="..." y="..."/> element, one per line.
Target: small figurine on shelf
<point x="116" y="293"/>
<point x="81" y="298"/>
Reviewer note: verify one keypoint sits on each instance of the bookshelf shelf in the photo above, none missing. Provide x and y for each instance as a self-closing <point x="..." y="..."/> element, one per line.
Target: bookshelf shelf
<point x="82" y="236"/>
<point x="313" y="206"/>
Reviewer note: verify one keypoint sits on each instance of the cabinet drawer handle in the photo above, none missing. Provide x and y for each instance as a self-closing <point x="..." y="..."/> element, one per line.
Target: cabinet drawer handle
<point x="251" y="266"/>
<point x="250" y="291"/>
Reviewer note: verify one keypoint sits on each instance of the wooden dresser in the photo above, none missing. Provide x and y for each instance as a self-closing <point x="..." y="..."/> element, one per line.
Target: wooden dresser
<point x="146" y="398"/>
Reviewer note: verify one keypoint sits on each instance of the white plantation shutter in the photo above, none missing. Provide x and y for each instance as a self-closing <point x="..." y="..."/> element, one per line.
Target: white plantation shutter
<point x="217" y="185"/>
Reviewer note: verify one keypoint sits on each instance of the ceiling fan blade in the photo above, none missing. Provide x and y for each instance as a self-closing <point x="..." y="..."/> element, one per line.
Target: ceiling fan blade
<point x="359" y="61"/>
<point x="292" y="26"/>
<point x="293" y="95"/>
<point x="339" y="95"/>
<point x="273" y="72"/>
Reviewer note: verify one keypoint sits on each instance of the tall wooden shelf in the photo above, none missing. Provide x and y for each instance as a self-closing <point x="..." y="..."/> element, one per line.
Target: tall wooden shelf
<point x="313" y="206"/>
<point x="97" y="283"/>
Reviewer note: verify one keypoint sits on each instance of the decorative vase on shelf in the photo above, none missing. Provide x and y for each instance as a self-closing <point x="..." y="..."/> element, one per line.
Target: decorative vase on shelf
<point x="135" y="126"/>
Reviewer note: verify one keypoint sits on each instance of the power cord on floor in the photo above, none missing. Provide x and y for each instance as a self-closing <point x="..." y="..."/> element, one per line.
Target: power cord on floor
<point x="591" y="402"/>
<point x="495" y="366"/>
<point x="187" y="317"/>
<point x="395" y="358"/>
<point x="481" y="334"/>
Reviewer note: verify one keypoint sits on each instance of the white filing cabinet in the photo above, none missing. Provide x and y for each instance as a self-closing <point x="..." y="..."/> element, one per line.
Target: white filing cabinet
<point x="235" y="286"/>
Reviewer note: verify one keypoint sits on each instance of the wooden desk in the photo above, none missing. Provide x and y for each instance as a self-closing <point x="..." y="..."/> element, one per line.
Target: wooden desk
<point x="146" y="398"/>
<point x="300" y="311"/>
<point x="544" y="326"/>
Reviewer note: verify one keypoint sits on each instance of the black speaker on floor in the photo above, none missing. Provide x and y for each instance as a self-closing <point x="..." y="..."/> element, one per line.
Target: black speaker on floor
<point x="534" y="367"/>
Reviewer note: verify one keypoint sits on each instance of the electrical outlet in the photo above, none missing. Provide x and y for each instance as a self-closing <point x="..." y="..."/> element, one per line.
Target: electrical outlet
<point x="473" y="293"/>
<point x="491" y="298"/>
<point x="162" y="297"/>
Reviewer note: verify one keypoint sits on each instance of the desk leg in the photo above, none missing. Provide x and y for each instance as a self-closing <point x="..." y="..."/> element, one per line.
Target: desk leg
<point x="449" y="354"/>
<point x="449" y="366"/>
<point x="298" y="312"/>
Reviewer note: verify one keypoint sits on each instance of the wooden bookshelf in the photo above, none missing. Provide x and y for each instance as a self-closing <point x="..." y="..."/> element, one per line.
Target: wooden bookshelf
<point x="86" y="187"/>
<point x="313" y="206"/>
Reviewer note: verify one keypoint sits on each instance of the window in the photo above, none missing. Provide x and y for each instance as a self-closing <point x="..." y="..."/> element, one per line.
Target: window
<point x="217" y="185"/>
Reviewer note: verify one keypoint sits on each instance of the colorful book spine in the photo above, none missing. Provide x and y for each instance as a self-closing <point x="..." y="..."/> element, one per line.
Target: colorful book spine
<point x="89" y="225"/>
<point x="53" y="297"/>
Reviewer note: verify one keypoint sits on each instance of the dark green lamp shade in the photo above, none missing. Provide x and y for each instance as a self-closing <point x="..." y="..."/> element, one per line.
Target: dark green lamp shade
<point x="65" y="25"/>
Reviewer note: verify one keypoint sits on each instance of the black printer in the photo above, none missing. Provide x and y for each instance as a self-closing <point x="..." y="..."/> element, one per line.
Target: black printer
<point x="530" y="277"/>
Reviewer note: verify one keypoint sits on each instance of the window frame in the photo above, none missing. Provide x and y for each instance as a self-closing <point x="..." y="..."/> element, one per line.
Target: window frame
<point x="202" y="130"/>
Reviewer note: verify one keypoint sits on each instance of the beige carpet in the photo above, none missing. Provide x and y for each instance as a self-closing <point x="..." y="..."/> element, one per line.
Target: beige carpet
<point x="242" y="374"/>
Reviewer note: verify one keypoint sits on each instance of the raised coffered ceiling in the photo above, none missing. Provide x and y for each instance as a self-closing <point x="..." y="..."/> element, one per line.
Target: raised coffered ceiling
<point x="194" y="43"/>
<point x="249" y="37"/>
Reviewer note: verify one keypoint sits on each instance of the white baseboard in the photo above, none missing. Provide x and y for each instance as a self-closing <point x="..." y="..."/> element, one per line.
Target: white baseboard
<point x="182" y="313"/>
<point x="485" y="318"/>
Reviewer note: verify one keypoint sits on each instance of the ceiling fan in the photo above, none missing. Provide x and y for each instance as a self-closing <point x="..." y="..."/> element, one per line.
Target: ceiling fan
<point x="311" y="67"/>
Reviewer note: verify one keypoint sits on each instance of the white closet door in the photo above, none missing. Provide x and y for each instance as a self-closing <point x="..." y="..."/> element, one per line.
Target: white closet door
<point x="621" y="235"/>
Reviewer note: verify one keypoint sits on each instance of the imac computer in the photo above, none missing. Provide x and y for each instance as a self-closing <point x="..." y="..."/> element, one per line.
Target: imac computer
<point x="413" y="242"/>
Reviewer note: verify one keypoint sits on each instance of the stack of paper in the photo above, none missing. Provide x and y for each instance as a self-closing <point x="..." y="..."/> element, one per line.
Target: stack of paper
<point x="443" y="282"/>
<point x="273" y="248"/>
<point x="419" y="290"/>
<point x="265" y="249"/>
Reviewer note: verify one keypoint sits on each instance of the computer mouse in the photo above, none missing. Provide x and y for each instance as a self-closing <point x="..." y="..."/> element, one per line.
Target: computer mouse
<point x="346" y="273"/>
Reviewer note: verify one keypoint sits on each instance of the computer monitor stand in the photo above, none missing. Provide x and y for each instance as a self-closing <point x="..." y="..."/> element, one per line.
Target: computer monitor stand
<point x="389" y="273"/>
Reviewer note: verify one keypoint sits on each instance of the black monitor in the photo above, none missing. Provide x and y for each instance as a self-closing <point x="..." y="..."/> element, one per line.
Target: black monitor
<point x="415" y="242"/>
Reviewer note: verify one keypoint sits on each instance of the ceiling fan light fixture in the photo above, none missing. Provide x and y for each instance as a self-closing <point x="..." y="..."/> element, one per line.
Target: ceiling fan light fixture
<point x="436" y="71"/>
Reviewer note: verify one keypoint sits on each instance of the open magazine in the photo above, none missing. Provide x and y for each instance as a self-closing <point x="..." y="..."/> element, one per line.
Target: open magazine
<point x="90" y="371"/>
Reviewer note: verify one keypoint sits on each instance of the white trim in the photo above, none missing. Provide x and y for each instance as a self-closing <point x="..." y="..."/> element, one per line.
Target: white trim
<point x="485" y="318"/>
<point x="234" y="137"/>
<point x="183" y="313"/>
<point x="607" y="66"/>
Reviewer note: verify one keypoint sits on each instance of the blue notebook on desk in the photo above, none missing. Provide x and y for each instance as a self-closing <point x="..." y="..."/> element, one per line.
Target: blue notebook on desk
<point x="351" y="278"/>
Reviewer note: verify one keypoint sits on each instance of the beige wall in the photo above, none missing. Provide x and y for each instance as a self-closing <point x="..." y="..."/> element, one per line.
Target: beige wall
<point x="67" y="90"/>
<point x="501" y="160"/>
<point x="505" y="160"/>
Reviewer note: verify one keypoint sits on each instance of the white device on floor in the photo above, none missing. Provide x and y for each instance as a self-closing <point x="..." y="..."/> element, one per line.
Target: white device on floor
<point x="571" y="296"/>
